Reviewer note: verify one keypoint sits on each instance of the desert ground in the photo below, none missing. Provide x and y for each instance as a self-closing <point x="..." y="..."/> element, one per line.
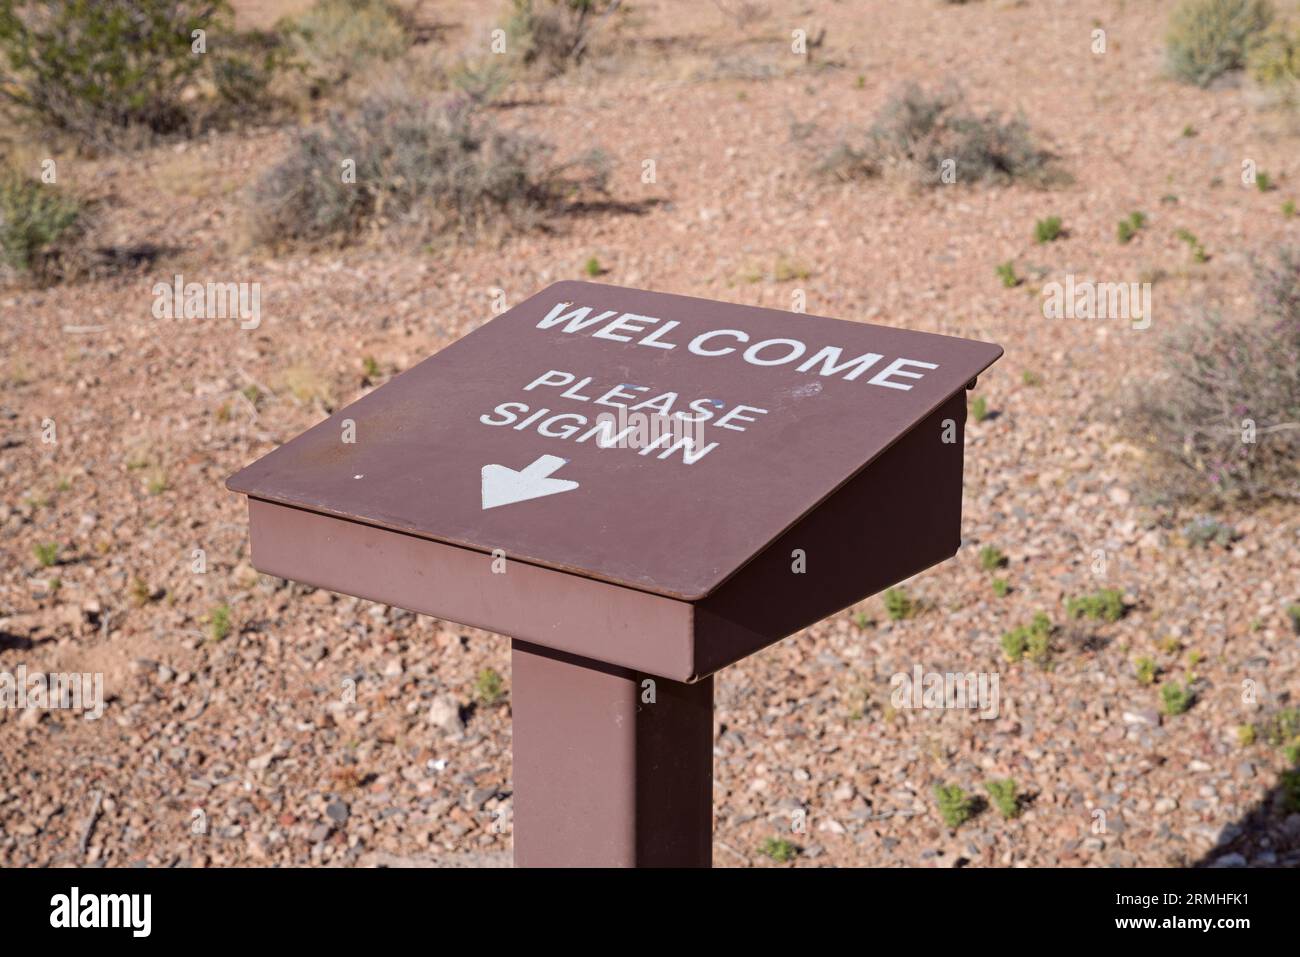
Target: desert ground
<point x="228" y="738"/>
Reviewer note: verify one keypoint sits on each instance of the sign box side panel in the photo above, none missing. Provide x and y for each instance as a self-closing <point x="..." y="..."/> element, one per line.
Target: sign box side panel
<point x="895" y="519"/>
<point x="622" y="626"/>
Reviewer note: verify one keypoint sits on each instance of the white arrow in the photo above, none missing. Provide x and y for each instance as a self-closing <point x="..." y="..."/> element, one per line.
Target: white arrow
<point x="502" y="486"/>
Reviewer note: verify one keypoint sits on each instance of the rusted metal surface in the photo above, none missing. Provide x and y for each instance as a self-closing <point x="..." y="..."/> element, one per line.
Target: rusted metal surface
<point x="611" y="768"/>
<point x="425" y="461"/>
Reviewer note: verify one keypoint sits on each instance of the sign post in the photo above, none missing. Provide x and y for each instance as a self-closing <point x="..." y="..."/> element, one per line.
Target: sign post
<point x="640" y="489"/>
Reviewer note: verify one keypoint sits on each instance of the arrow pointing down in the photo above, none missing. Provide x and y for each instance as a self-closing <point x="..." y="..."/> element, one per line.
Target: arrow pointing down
<point x="503" y="486"/>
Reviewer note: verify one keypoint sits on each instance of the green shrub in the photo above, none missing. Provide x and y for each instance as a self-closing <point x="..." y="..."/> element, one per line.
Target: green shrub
<point x="1176" y="698"/>
<point x="436" y="166"/>
<point x="97" y="68"/>
<point x="898" y="605"/>
<point x="47" y="553"/>
<point x="1105" y="605"/>
<point x="1005" y="797"/>
<point x="1047" y="230"/>
<point x="219" y="623"/>
<point x="917" y="133"/>
<point x="1033" y="641"/>
<point x="979" y="408"/>
<point x="1007" y="273"/>
<point x="1146" y="670"/>
<point x="39" y="223"/>
<point x="489" y="687"/>
<point x="1001" y="587"/>
<point x="1208" y="38"/>
<point x="991" y="558"/>
<point x="1293" y="612"/>
<point x="1221" y="380"/>
<point x="1128" y="228"/>
<point x="954" y="806"/>
<point x="779" y="850"/>
<point x="335" y="40"/>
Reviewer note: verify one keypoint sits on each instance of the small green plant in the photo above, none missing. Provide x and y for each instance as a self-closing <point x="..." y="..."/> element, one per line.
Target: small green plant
<point x="1147" y="670"/>
<point x="1282" y="727"/>
<point x="1263" y="181"/>
<point x="898" y="605"/>
<point x="1033" y="641"/>
<point x="1030" y="378"/>
<point x="370" y="368"/>
<point x="1005" y="796"/>
<point x="1288" y="208"/>
<point x="1007" y="273"/>
<point x="1290" y="781"/>
<point x="1293" y="612"/>
<point x="47" y="553"/>
<point x="1105" y="605"/>
<point x="1128" y="228"/>
<point x="140" y="592"/>
<point x="1189" y="131"/>
<point x="1193" y="245"/>
<point x="1208" y="38"/>
<point x="219" y="625"/>
<point x="592" y="267"/>
<point x="779" y="850"/>
<point x="489" y="688"/>
<point x="979" y="408"/>
<point x="955" y="807"/>
<point x="1246" y="735"/>
<point x="991" y="558"/>
<point x="1048" y="230"/>
<point x="1000" y="587"/>
<point x="1175" y="698"/>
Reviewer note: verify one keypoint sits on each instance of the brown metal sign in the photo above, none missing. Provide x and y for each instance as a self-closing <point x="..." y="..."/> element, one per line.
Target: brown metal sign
<point x="653" y="441"/>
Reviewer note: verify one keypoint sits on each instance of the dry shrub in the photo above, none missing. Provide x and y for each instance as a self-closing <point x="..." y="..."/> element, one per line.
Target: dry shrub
<point x="335" y="40"/>
<point x="555" y="35"/>
<point x="1208" y="38"/>
<point x="435" y="166"/>
<point x="1222" y="381"/>
<point x="916" y="132"/>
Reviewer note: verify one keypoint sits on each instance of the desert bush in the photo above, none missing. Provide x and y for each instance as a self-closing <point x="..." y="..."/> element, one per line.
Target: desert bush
<point x="554" y="35"/>
<point x="39" y="224"/>
<point x="917" y="132"/>
<point x="95" y="68"/>
<point x="1208" y="38"/>
<point x="1223" y="422"/>
<point x="437" y="166"/>
<point x="336" y="39"/>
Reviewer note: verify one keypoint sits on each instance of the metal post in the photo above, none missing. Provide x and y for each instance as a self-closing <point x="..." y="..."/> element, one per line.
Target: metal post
<point x="609" y="770"/>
